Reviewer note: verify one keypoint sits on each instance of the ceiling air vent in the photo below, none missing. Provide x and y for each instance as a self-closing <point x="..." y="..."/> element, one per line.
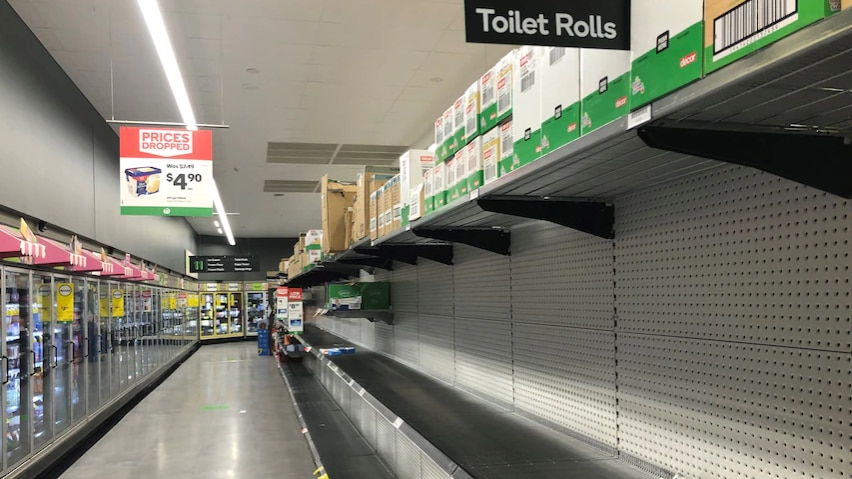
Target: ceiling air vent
<point x="290" y="186"/>
<point x="332" y="154"/>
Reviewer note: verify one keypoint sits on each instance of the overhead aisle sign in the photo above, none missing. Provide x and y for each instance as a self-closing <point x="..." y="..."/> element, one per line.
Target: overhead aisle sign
<point x="603" y="24"/>
<point x="166" y="172"/>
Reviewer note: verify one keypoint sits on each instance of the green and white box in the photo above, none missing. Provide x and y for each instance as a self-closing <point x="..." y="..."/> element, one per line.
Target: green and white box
<point x="461" y="172"/>
<point x="736" y="28"/>
<point x="471" y="113"/>
<point x="604" y="85"/>
<point x="560" y="98"/>
<point x="445" y="149"/>
<point x="450" y="177"/>
<point x="509" y="161"/>
<point x="412" y="164"/>
<point x="458" y="124"/>
<point x="504" y="80"/>
<point x="439" y="185"/>
<point x="473" y="155"/>
<point x="381" y="210"/>
<point x="526" y="97"/>
<point x="667" y="49"/>
<point x="488" y="100"/>
<point x="439" y="136"/>
<point x="428" y="191"/>
<point x="490" y="155"/>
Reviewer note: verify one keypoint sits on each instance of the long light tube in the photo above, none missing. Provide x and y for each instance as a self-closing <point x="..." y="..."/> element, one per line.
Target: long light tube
<point x="157" y="28"/>
<point x="220" y="210"/>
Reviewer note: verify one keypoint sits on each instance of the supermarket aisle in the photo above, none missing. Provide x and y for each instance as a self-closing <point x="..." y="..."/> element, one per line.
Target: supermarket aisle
<point x="225" y="413"/>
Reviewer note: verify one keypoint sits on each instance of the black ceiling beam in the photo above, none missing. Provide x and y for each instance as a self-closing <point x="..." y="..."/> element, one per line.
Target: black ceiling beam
<point x="494" y="240"/>
<point x="821" y="161"/>
<point x="369" y="261"/>
<point x="592" y="217"/>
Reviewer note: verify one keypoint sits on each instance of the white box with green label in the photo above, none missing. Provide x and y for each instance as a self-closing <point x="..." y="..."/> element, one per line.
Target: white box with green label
<point x="444" y="150"/>
<point x="412" y="164"/>
<point x="666" y="49"/>
<point x="458" y="124"/>
<point x="560" y="98"/>
<point x="503" y="85"/>
<point x="490" y="155"/>
<point x="526" y="109"/>
<point x="428" y="191"/>
<point x="604" y="86"/>
<point x="508" y="159"/>
<point x="471" y="113"/>
<point x="473" y="155"/>
<point x="488" y="100"/>
<point x="439" y="185"/>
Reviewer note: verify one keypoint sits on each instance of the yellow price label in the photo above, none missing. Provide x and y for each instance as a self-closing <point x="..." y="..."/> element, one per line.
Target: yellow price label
<point x="117" y="303"/>
<point x="65" y="302"/>
<point x="172" y="301"/>
<point x="192" y="301"/>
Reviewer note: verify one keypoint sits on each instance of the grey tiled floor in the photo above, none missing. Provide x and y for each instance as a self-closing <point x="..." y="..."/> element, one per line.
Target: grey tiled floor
<point x="225" y="413"/>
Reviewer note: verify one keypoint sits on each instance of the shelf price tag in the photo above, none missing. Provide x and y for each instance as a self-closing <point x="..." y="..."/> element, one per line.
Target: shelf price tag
<point x="166" y="172"/>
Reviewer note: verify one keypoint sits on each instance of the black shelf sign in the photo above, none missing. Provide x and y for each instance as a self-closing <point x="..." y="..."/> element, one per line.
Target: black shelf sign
<point x="224" y="264"/>
<point x="603" y="24"/>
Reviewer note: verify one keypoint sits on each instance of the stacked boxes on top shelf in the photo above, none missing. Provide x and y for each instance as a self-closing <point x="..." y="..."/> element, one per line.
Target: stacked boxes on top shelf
<point x="412" y="167"/>
<point x="473" y="159"/>
<point x="526" y="107"/>
<point x="338" y="200"/>
<point x="604" y="86"/>
<point x="312" y="254"/>
<point x="364" y="216"/>
<point x="560" y="97"/>
<point x="472" y="112"/>
<point x="490" y="155"/>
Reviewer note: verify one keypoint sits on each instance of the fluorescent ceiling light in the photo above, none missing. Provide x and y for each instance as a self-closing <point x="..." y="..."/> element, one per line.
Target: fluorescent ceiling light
<point x="219" y="230"/>
<point x="216" y="224"/>
<point x="157" y="28"/>
<point x="220" y="210"/>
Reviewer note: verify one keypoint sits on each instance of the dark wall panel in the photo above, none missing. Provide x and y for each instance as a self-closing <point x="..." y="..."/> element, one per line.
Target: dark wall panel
<point x="59" y="159"/>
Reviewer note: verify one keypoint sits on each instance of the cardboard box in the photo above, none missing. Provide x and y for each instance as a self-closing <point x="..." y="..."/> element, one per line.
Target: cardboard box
<point x="471" y="113"/>
<point x="735" y="28"/>
<point x="374" y="215"/>
<point x="347" y="222"/>
<point x="336" y="199"/>
<point x="439" y="133"/>
<point x="504" y="85"/>
<point x="473" y="158"/>
<point x="490" y="155"/>
<point x="488" y="100"/>
<point x="310" y="258"/>
<point x="458" y="124"/>
<point x="460" y="188"/>
<point x="412" y="164"/>
<point x="381" y="201"/>
<point x="428" y="191"/>
<point x="313" y="240"/>
<point x="445" y="149"/>
<point x="360" y="218"/>
<point x="294" y="265"/>
<point x="526" y="99"/>
<point x="417" y="201"/>
<point x="450" y="177"/>
<point x="368" y="182"/>
<point x="300" y="245"/>
<point x="508" y="159"/>
<point x="439" y="185"/>
<point x="396" y="203"/>
<point x="844" y="4"/>
<point x="666" y="49"/>
<point x="560" y="98"/>
<point x="605" y="86"/>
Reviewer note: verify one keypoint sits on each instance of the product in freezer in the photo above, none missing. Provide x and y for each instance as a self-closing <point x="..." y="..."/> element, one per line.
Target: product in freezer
<point x="143" y="180"/>
<point x="473" y="157"/>
<point x="490" y="154"/>
<point x="736" y="28"/>
<point x="503" y="85"/>
<point x="560" y="97"/>
<point x="488" y="100"/>
<point x="526" y="110"/>
<point x="508" y="159"/>
<point x="471" y="113"/>
<point x="605" y="86"/>
<point x="666" y="49"/>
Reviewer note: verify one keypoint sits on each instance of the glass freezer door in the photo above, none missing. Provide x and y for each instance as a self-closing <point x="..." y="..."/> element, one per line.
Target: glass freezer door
<point x="255" y="311"/>
<point x="17" y="365"/>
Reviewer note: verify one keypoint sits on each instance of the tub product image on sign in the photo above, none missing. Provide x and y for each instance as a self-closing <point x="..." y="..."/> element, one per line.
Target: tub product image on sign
<point x="601" y="24"/>
<point x="165" y="172"/>
<point x="736" y="28"/>
<point x="490" y="154"/>
<point x="526" y="112"/>
<point x="560" y="97"/>
<point x="604" y="85"/>
<point x="667" y="49"/>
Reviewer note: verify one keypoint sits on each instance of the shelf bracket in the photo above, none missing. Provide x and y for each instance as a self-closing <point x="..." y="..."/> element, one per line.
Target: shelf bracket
<point x="371" y="262"/>
<point x="592" y="217"/>
<point x="495" y="240"/>
<point x="315" y="278"/>
<point x="821" y="161"/>
<point x="395" y="252"/>
<point x="440" y="253"/>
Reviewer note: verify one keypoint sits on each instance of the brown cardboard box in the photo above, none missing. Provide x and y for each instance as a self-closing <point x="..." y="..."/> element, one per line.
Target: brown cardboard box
<point x="347" y="222"/>
<point x="294" y="265"/>
<point x="360" y="220"/>
<point x="381" y="201"/>
<point x="396" y="204"/>
<point x="367" y="184"/>
<point x="336" y="199"/>
<point x="300" y="245"/>
<point x="374" y="220"/>
<point x="845" y="4"/>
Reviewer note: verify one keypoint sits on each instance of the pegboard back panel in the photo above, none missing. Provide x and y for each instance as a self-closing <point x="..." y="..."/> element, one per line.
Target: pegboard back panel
<point x="738" y="255"/>
<point x="406" y="345"/>
<point x="714" y="409"/>
<point x="368" y="334"/>
<point x="435" y="288"/>
<point x="437" y="350"/>
<point x="562" y="277"/>
<point x="567" y="377"/>
<point x="384" y="338"/>
<point x="404" y="288"/>
<point x="481" y="280"/>
<point x="483" y="353"/>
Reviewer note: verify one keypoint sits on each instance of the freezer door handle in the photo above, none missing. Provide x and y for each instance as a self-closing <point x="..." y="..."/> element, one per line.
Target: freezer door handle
<point x="6" y="377"/>
<point x="72" y="348"/>
<point x="54" y="360"/>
